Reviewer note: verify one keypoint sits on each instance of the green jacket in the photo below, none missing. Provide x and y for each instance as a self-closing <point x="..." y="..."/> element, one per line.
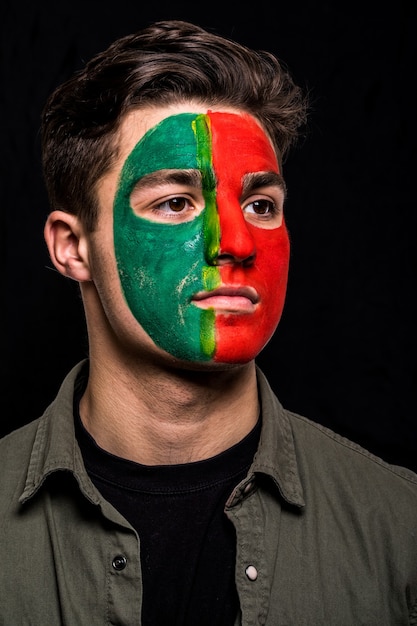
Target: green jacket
<point x="326" y="532"/>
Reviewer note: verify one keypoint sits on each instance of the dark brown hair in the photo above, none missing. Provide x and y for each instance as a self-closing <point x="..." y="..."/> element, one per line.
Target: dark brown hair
<point x="168" y="62"/>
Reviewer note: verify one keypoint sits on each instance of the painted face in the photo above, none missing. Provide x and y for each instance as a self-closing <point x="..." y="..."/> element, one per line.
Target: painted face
<point x="201" y="248"/>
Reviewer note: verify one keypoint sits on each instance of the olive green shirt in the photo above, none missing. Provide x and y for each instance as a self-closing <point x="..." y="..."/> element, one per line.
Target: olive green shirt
<point x="326" y="532"/>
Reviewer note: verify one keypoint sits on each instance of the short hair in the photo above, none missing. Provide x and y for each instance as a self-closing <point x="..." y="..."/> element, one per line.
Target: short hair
<point x="168" y="62"/>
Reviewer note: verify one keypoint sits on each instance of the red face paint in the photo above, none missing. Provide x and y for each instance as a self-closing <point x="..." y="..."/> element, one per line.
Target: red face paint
<point x="241" y="147"/>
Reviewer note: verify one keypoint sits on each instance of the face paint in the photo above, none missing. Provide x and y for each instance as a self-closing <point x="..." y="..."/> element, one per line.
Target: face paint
<point x="240" y="146"/>
<point x="162" y="266"/>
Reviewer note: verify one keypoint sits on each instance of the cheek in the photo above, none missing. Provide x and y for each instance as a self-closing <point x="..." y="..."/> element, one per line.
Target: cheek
<point x="161" y="267"/>
<point x="106" y="281"/>
<point x="272" y="260"/>
<point x="241" y="338"/>
<point x="154" y="262"/>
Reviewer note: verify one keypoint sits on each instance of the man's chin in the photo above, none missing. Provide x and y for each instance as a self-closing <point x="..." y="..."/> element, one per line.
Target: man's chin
<point x="210" y="365"/>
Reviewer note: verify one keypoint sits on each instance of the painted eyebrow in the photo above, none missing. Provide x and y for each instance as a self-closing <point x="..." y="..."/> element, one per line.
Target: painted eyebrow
<point x="190" y="178"/>
<point x="252" y="182"/>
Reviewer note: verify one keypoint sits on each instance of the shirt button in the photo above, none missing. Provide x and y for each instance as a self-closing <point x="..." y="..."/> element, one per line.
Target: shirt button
<point x="119" y="562"/>
<point x="251" y="572"/>
<point x="249" y="487"/>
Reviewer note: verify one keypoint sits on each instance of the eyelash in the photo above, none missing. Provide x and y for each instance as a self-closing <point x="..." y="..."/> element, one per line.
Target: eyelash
<point x="158" y="208"/>
<point x="272" y="208"/>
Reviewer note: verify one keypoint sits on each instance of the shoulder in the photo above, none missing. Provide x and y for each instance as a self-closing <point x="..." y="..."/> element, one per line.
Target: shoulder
<point x="323" y="452"/>
<point x="15" y="454"/>
<point x="17" y="445"/>
<point x="319" y="463"/>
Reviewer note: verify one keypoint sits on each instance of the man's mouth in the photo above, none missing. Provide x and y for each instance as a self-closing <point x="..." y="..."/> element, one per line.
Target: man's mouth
<point x="228" y="299"/>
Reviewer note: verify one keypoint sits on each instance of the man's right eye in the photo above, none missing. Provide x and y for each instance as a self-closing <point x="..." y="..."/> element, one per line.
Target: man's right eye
<point x="173" y="204"/>
<point x="175" y="209"/>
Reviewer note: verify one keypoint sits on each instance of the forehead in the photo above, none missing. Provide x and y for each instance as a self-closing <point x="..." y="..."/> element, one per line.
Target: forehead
<point x="227" y="144"/>
<point x="171" y="136"/>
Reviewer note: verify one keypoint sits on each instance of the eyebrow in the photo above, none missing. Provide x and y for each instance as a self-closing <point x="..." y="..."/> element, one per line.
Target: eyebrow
<point x="191" y="178"/>
<point x="253" y="181"/>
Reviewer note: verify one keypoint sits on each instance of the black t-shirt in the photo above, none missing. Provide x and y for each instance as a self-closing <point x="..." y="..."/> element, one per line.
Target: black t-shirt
<point x="187" y="544"/>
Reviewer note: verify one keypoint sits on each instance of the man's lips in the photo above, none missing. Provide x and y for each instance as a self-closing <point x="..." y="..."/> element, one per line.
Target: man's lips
<point x="228" y="299"/>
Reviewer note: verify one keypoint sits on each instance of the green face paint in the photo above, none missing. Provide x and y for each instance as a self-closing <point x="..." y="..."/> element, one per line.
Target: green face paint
<point x="161" y="266"/>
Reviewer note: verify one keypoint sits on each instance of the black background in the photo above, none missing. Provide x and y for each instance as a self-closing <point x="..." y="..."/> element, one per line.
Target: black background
<point x="344" y="353"/>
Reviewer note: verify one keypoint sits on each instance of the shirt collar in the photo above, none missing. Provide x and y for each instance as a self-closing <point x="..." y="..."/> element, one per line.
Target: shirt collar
<point x="55" y="447"/>
<point x="276" y="454"/>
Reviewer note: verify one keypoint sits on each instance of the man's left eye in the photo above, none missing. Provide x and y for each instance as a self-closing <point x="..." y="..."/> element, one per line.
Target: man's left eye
<point x="261" y="207"/>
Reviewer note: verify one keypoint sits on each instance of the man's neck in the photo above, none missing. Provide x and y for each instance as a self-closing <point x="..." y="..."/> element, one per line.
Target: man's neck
<point x="154" y="416"/>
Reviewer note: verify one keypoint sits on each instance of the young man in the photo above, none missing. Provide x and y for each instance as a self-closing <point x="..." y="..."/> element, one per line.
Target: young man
<point x="166" y="485"/>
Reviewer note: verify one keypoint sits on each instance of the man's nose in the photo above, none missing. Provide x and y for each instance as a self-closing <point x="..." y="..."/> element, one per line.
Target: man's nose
<point x="235" y="243"/>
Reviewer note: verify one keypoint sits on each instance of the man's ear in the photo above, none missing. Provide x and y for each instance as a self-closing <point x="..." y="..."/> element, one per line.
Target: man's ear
<point x="67" y="245"/>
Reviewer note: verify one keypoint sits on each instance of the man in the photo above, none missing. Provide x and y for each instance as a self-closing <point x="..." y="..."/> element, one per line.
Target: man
<point x="166" y="484"/>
